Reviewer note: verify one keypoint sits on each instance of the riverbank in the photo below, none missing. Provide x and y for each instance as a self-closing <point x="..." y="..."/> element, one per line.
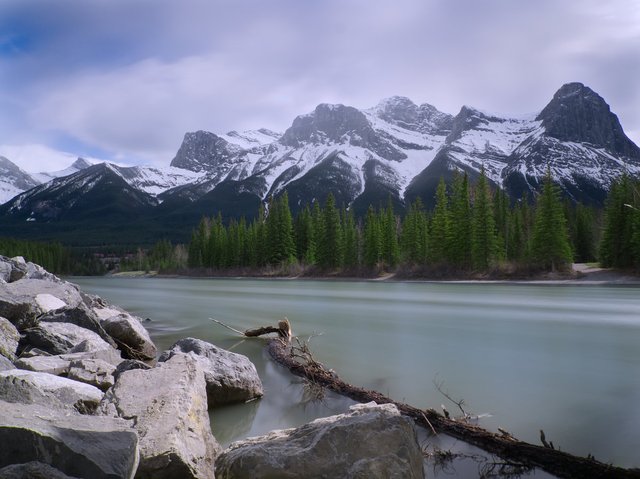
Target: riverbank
<point x="580" y="274"/>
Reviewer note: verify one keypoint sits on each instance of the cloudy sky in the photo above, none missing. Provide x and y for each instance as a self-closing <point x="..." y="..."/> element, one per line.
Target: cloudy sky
<point x="123" y="80"/>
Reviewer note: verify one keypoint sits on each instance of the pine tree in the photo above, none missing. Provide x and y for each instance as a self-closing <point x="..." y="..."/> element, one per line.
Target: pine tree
<point x="350" y="242"/>
<point x="389" y="230"/>
<point x="460" y="224"/>
<point x="584" y="234"/>
<point x="330" y="243"/>
<point x="414" y="237"/>
<point x="484" y="241"/>
<point x="550" y="242"/>
<point x="440" y="223"/>
<point x="372" y="243"/>
<point x="616" y="248"/>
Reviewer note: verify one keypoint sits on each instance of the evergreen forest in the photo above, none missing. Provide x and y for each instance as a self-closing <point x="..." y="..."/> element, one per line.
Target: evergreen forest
<point x="472" y="231"/>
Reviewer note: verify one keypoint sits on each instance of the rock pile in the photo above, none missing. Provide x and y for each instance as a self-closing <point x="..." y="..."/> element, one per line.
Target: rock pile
<point x="82" y="396"/>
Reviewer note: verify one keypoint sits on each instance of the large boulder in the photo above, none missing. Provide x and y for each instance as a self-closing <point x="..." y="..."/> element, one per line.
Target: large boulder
<point x="32" y="470"/>
<point x="29" y="387"/>
<point x="169" y="405"/>
<point x="371" y="441"/>
<point x="60" y="338"/>
<point x="80" y="315"/>
<point x="76" y="445"/>
<point x="230" y="377"/>
<point x="22" y="301"/>
<point x="128" y="332"/>
<point x="9" y="339"/>
<point x="60" y="364"/>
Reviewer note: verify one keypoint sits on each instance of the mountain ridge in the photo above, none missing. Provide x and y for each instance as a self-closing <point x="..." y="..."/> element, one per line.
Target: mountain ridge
<point x="395" y="149"/>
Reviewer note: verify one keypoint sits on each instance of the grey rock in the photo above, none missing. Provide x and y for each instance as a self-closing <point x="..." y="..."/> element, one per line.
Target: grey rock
<point x="230" y="377"/>
<point x="95" y="372"/>
<point x="169" y="406"/>
<point x="128" y="365"/>
<point x="60" y="364"/>
<point x="78" y="446"/>
<point x="80" y="315"/>
<point x="32" y="470"/>
<point x="9" y="339"/>
<point x="44" y="364"/>
<point x="371" y="441"/>
<point x="130" y="335"/>
<point x="18" y="269"/>
<point x="29" y="387"/>
<point x="5" y="270"/>
<point x="21" y="311"/>
<point x="22" y="301"/>
<point x="5" y="364"/>
<point x="59" y="338"/>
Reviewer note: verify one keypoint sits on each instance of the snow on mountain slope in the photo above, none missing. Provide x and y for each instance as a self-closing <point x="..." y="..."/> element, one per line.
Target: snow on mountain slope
<point x="251" y="138"/>
<point x="13" y="180"/>
<point x="396" y="149"/>
<point x="155" y="180"/>
<point x="79" y="164"/>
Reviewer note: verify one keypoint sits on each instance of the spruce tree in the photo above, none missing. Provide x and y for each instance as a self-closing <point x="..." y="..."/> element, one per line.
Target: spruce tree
<point x="330" y="244"/>
<point x="389" y="227"/>
<point x="460" y="238"/>
<point x="440" y="223"/>
<point x="550" y="242"/>
<point x="372" y="244"/>
<point x="616" y="248"/>
<point x="350" y="246"/>
<point x="484" y="240"/>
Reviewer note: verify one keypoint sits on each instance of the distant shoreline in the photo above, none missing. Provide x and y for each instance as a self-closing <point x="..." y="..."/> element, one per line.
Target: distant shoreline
<point x="581" y="275"/>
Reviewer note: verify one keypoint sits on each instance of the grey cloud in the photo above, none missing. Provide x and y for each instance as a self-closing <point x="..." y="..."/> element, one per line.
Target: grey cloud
<point x="132" y="76"/>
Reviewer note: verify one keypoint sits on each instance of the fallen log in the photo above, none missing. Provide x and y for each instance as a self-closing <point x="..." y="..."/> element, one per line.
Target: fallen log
<point x="299" y="361"/>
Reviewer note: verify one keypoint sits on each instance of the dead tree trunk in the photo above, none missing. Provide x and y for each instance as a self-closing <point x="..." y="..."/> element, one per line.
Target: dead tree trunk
<point x="300" y="362"/>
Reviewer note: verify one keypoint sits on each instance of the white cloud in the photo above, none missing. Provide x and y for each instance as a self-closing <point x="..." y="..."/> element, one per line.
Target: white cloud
<point x="35" y="158"/>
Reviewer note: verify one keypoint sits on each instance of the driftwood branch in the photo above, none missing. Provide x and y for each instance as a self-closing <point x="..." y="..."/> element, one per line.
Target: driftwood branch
<point x="299" y="360"/>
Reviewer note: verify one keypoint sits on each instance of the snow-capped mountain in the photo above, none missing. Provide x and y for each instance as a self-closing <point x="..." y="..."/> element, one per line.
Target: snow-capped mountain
<point x="79" y="164"/>
<point x="401" y="149"/>
<point x="396" y="149"/>
<point x="13" y="180"/>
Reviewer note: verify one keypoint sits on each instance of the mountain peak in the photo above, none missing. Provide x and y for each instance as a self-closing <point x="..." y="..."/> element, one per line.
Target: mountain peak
<point x="202" y="150"/>
<point x="81" y="164"/>
<point x="577" y="113"/>
<point x="328" y="122"/>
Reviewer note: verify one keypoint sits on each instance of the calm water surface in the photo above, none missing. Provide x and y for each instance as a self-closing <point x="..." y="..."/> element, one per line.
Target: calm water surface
<point x="561" y="358"/>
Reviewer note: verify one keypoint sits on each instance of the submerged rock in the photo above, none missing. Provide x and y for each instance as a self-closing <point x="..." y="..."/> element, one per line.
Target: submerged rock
<point x="371" y="441"/>
<point x="169" y="406"/>
<point x="78" y="446"/>
<point x="230" y="377"/>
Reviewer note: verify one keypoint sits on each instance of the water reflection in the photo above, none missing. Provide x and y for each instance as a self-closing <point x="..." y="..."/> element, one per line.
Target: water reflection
<point x="564" y="358"/>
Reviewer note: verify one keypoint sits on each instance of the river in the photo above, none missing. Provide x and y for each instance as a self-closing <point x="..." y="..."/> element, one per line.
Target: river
<point x="562" y="358"/>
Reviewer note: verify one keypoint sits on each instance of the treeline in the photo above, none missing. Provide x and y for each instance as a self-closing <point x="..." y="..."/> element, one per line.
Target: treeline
<point x="54" y="257"/>
<point x="470" y="229"/>
<point x="620" y="246"/>
<point x="162" y="256"/>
